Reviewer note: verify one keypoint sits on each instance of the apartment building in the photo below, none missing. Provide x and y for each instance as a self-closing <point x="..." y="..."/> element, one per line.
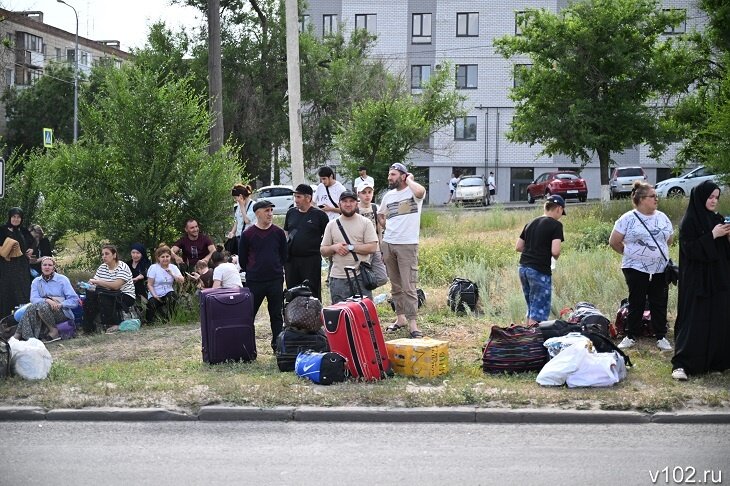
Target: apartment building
<point x="416" y="37"/>
<point x="28" y="46"/>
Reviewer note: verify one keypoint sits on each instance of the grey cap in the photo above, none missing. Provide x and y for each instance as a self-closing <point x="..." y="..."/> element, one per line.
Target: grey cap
<point x="262" y="204"/>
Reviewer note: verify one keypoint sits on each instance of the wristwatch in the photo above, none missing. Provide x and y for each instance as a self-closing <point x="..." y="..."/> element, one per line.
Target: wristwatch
<point x="350" y="247"/>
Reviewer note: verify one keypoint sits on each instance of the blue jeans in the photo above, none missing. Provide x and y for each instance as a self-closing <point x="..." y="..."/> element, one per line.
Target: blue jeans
<point x="537" y="288"/>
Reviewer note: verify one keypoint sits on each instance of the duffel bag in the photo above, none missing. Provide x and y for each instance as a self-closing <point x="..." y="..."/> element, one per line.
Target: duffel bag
<point x="321" y="368"/>
<point x="291" y="342"/>
<point x="618" y="328"/>
<point x="463" y="293"/>
<point x="304" y="313"/>
<point x="557" y="328"/>
<point x="514" y="349"/>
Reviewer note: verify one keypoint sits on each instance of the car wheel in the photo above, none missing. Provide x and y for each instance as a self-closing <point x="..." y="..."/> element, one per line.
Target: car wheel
<point x="675" y="192"/>
<point x="530" y="199"/>
<point x="582" y="198"/>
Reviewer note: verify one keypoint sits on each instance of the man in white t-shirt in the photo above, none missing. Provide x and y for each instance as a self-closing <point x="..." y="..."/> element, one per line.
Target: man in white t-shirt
<point x="491" y="187"/>
<point x="328" y="192"/>
<point x="400" y="214"/>
<point x="225" y="274"/>
<point x="363" y="178"/>
<point x="452" y="187"/>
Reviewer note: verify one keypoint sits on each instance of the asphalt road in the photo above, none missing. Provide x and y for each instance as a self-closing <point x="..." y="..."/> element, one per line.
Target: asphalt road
<point x="253" y="453"/>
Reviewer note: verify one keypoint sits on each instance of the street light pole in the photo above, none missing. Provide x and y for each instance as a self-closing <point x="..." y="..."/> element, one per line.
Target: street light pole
<point x="76" y="74"/>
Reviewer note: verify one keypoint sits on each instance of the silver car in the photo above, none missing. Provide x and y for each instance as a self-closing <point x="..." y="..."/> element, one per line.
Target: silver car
<point x="471" y="189"/>
<point x="623" y="178"/>
<point x="281" y="196"/>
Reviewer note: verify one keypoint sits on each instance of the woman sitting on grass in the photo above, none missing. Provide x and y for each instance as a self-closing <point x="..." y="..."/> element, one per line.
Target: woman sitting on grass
<point x="225" y="274"/>
<point x="52" y="299"/>
<point x="113" y="292"/>
<point x="161" y="278"/>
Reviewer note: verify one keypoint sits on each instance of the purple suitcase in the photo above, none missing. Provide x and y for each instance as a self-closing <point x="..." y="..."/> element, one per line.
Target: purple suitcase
<point x="226" y="325"/>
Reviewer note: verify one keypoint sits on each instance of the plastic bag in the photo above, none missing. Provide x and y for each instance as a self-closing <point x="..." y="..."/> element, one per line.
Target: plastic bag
<point x="555" y="345"/>
<point x="556" y="371"/>
<point x="30" y="359"/>
<point x="596" y="370"/>
<point x="130" y="325"/>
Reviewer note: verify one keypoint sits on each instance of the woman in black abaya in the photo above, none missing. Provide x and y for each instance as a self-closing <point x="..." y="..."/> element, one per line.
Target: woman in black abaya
<point x="703" y="327"/>
<point x="15" y="270"/>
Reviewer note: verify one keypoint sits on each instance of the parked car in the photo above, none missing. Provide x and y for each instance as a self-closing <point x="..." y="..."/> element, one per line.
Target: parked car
<point x="565" y="183"/>
<point x="281" y="196"/>
<point x="471" y="189"/>
<point x="622" y="180"/>
<point x="681" y="186"/>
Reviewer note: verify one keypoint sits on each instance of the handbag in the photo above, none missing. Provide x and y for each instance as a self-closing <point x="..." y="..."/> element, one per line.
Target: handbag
<point x="367" y="273"/>
<point x="671" y="271"/>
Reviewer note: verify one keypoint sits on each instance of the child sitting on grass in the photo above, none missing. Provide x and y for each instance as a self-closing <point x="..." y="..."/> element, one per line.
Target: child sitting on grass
<point x="203" y="276"/>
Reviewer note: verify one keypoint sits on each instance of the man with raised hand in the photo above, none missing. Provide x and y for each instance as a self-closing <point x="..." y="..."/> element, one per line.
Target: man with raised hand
<point x="400" y="214"/>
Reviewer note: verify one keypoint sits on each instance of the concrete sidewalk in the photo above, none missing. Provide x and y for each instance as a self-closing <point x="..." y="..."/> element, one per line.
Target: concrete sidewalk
<point x="218" y="413"/>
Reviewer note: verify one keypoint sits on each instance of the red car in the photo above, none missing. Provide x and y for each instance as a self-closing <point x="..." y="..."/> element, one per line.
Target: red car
<point x="565" y="183"/>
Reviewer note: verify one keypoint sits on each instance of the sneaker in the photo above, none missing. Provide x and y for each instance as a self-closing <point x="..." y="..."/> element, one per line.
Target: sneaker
<point x="663" y="344"/>
<point x="679" y="374"/>
<point x="626" y="343"/>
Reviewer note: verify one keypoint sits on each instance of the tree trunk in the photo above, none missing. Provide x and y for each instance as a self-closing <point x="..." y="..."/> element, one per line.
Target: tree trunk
<point x="604" y="158"/>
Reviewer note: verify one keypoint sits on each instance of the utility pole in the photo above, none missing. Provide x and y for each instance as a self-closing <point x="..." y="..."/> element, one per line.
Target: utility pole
<point x="296" y="150"/>
<point x="76" y="73"/>
<point x="215" y="76"/>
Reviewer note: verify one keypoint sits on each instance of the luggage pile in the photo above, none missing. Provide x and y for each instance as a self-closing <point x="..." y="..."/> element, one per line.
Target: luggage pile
<point x="302" y="327"/>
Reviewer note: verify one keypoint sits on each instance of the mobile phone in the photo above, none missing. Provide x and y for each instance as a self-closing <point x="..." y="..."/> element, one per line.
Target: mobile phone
<point x="320" y="206"/>
<point x="727" y="219"/>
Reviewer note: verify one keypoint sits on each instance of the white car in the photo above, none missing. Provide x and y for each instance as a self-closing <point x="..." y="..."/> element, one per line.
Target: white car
<point x="681" y="186"/>
<point x="281" y="196"/>
<point x="471" y="189"/>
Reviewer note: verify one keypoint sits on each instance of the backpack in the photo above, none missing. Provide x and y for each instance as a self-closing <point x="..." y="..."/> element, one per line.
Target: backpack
<point x="590" y="318"/>
<point x="618" y="328"/>
<point x="8" y="327"/>
<point x="290" y="342"/>
<point x="603" y="344"/>
<point x="321" y="368"/>
<point x="463" y="293"/>
<point x="514" y="349"/>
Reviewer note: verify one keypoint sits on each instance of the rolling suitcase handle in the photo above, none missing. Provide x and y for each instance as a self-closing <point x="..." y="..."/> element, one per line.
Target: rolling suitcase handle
<point x="350" y="280"/>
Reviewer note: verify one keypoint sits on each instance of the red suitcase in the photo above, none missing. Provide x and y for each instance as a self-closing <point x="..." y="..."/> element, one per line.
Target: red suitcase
<point x="226" y="325"/>
<point x="353" y="330"/>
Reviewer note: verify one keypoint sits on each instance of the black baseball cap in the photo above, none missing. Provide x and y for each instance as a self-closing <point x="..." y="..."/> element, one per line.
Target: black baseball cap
<point x="554" y="198"/>
<point x="305" y="189"/>
<point x="347" y="194"/>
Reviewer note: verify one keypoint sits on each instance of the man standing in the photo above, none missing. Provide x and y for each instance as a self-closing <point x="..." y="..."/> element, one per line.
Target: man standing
<point x="452" y="186"/>
<point x="491" y="187"/>
<point x="540" y="239"/>
<point x="194" y="245"/>
<point x="261" y="255"/>
<point x="328" y="191"/>
<point x="400" y="213"/>
<point x="362" y="178"/>
<point x="304" y="225"/>
<point x="346" y="251"/>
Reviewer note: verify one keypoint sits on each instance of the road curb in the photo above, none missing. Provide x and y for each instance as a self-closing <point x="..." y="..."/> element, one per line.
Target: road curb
<point x="384" y="414"/>
<point x="690" y="418"/>
<point x="22" y="413"/>
<point x="115" y="414"/>
<point x="539" y="416"/>
<point x="220" y="413"/>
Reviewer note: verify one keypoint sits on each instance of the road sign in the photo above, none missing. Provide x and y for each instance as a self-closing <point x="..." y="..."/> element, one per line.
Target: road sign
<point x="2" y="177"/>
<point x="48" y="137"/>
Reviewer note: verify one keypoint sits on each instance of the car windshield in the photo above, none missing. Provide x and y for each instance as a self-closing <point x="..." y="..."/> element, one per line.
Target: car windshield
<point x="566" y="176"/>
<point x="629" y="172"/>
<point x="471" y="182"/>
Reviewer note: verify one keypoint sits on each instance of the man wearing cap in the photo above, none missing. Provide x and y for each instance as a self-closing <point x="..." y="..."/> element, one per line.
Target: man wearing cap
<point x="363" y="178"/>
<point x="539" y="241"/>
<point x="363" y="242"/>
<point x="400" y="214"/>
<point x="261" y="255"/>
<point x="328" y="192"/>
<point x="304" y="225"/>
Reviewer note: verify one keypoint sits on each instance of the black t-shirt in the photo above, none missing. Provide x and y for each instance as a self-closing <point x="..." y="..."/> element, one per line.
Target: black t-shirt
<point x="538" y="236"/>
<point x="305" y="230"/>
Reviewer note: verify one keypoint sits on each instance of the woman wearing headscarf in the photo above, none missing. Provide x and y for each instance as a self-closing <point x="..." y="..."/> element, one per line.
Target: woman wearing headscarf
<point x="52" y="301"/>
<point x="15" y="242"/>
<point x="139" y="264"/>
<point x="702" y="330"/>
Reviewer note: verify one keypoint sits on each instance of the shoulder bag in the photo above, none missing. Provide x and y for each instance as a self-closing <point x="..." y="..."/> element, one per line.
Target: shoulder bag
<point x="367" y="274"/>
<point x="671" y="272"/>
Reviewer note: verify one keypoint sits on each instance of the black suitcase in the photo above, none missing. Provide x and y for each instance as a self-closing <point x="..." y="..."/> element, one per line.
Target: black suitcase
<point x="292" y="341"/>
<point x="226" y="325"/>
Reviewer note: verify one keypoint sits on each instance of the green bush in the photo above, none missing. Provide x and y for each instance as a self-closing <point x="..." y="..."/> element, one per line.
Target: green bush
<point x="441" y="262"/>
<point x="594" y="236"/>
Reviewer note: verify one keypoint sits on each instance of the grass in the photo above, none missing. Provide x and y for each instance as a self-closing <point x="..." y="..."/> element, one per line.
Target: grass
<point x="161" y="365"/>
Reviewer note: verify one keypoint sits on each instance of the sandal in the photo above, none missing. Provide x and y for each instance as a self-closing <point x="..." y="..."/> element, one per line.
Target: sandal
<point x="416" y="334"/>
<point x="394" y="327"/>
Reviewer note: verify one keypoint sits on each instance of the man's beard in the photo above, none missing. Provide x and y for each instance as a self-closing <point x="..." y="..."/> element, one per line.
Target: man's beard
<point x="346" y="213"/>
<point x="394" y="184"/>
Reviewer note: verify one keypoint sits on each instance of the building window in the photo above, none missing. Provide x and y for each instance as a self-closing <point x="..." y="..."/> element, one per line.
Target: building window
<point x="83" y="58"/>
<point x="33" y="43"/>
<point x="367" y="22"/>
<point x="303" y="23"/>
<point x="8" y="77"/>
<point x="466" y="76"/>
<point x="329" y="24"/>
<point x="467" y="24"/>
<point x="518" y="75"/>
<point x="59" y="56"/>
<point x="519" y="21"/>
<point x="465" y="128"/>
<point x="680" y="28"/>
<point x="419" y="75"/>
<point x="421" y="29"/>
<point x="71" y="56"/>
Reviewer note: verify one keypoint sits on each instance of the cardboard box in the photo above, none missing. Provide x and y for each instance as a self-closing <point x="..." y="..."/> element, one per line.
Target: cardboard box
<point x="421" y="358"/>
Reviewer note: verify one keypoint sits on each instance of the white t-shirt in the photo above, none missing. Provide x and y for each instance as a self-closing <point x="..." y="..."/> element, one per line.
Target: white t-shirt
<point x="122" y="272"/>
<point x="359" y="230"/>
<point x="240" y="225"/>
<point x="640" y="251"/>
<point x="452" y="183"/>
<point x="359" y="180"/>
<point x="163" y="281"/>
<point x="490" y="183"/>
<point x="322" y="199"/>
<point x="228" y="274"/>
<point x="402" y="212"/>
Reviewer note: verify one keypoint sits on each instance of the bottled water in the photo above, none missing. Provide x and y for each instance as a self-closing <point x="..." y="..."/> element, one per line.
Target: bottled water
<point x="380" y="298"/>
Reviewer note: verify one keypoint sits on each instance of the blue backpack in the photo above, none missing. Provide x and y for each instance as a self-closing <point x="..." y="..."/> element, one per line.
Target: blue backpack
<point x="321" y="368"/>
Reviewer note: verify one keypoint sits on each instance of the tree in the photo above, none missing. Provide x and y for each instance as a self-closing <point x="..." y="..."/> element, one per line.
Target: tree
<point x="141" y="168"/>
<point x="28" y="110"/>
<point x="602" y="79"/>
<point x="383" y="131"/>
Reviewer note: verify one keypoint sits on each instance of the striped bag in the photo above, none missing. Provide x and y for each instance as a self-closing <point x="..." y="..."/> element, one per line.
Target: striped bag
<point x="514" y="349"/>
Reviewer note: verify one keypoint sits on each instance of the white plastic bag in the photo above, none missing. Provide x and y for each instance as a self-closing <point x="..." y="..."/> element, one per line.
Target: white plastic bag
<point x="556" y="344"/>
<point x="556" y="371"/>
<point x="598" y="369"/>
<point x="30" y="359"/>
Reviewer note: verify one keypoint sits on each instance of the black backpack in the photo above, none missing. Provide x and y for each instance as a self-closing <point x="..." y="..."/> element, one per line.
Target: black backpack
<point x="463" y="293"/>
<point x="303" y="290"/>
